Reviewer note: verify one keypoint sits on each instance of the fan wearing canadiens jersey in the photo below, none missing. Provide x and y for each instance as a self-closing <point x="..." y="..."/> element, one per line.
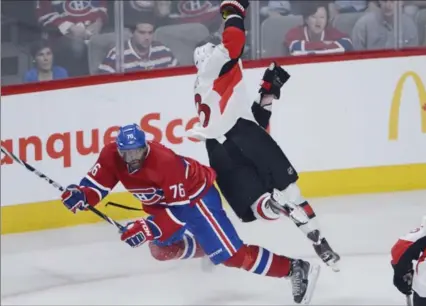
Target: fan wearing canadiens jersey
<point x="253" y="173"/>
<point x="179" y="194"/>
<point x="408" y="248"/>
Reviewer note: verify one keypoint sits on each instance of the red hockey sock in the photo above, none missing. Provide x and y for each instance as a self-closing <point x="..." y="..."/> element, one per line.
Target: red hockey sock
<point x="260" y="261"/>
<point x="184" y="249"/>
<point x="308" y="209"/>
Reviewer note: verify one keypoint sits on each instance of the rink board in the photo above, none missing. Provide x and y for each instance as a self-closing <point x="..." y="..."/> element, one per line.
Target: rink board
<point x="357" y="135"/>
<point x="52" y="214"/>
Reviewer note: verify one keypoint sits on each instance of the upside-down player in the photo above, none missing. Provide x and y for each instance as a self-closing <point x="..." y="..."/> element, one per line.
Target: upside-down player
<point x="408" y="280"/>
<point x="253" y="173"/>
<point x="178" y="192"/>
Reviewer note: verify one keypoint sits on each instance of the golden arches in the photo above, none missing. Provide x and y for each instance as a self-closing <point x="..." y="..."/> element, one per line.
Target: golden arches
<point x="396" y="103"/>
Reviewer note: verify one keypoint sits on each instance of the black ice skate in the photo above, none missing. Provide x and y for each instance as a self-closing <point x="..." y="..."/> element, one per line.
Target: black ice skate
<point x="328" y="256"/>
<point x="303" y="276"/>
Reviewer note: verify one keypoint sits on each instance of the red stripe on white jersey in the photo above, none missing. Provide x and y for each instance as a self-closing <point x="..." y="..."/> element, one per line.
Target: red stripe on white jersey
<point x="399" y="249"/>
<point x="225" y="85"/>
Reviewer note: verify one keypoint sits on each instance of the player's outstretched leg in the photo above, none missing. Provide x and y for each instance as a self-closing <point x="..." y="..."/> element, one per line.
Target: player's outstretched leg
<point x="255" y="259"/>
<point x="213" y="230"/>
<point x="290" y="203"/>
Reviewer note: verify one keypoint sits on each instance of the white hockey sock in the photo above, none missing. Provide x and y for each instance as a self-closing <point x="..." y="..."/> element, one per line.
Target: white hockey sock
<point x="262" y="210"/>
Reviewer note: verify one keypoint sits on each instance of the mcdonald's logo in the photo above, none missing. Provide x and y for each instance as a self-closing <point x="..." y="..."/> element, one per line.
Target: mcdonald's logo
<point x="396" y="103"/>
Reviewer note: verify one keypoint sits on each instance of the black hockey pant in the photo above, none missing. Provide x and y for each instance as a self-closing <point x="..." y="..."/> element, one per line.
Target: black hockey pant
<point x="248" y="164"/>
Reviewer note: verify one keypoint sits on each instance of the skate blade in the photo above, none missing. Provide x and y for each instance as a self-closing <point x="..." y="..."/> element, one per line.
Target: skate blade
<point x="335" y="266"/>
<point x="314" y="272"/>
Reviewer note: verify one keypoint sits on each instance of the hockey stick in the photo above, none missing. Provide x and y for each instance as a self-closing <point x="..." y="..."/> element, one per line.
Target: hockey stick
<point x="58" y="186"/>
<point x="408" y="300"/>
<point x="122" y="206"/>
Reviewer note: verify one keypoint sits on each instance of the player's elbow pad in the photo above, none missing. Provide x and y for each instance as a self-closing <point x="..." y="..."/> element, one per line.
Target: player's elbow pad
<point x="234" y="37"/>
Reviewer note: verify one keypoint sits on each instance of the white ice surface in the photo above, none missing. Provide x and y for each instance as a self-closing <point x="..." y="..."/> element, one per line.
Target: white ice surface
<point x="89" y="264"/>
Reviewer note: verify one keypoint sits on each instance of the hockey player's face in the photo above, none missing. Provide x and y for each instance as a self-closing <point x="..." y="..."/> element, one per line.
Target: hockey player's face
<point x="143" y="35"/>
<point x="134" y="158"/>
<point x="317" y="22"/>
<point x="44" y="59"/>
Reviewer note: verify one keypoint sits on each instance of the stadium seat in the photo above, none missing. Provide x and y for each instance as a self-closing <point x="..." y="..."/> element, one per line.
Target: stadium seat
<point x="182" y="39"/>
<point x="15" y="61"/>
<point x="345" y="22"/>
<point x="273" y="31"/>
<point x="421" y="25"/>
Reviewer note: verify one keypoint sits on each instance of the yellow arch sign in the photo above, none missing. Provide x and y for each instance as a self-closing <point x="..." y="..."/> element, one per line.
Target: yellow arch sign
<point x="396" y="103"/>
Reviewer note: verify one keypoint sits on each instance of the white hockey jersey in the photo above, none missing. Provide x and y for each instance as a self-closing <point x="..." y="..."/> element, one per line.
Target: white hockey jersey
<point x="410" y="247"/>
<point x="220" y="93"/>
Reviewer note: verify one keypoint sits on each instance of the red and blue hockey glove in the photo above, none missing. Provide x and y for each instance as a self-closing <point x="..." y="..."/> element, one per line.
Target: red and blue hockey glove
<point x="273" y="79"/>
<point x="74" y="198"/>
<point x="231" y="7"/>
<point x="139" y="232"/>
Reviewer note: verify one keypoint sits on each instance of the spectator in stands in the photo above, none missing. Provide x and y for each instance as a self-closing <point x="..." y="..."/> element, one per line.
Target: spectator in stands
<point x="284" y="8"/>
<point x="375" y="30"/>
<point x="134" y="11"/>
<point x="175" y="12"/>
<point x="411" y="8"/>
<point x="70" y="24"/>
<point x="349" y="6"/>
<point x="276" y="8"/>
<point x="43" y="70"/>
<point x="141" y="52"/>
<point x="196" y="11"/>
<point x="316" y="36"/>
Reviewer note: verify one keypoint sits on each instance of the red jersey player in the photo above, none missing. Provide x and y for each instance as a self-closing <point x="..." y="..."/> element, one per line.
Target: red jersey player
<point x="180" y="195"/>
<point x="408" y="248"/>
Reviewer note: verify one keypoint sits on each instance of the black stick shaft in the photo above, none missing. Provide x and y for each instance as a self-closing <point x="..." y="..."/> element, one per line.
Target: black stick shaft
<point x="57" y="186"/>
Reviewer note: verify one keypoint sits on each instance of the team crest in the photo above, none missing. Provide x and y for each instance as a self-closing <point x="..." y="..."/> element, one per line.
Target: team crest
<point x="77" y="8"/>
<point x="194" y="7"/>
<point x="142" y="5"/>
<point x="148" y="196"/>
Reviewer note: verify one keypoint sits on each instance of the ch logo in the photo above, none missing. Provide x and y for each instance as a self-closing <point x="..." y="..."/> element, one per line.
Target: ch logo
<point x="396" y="103"/>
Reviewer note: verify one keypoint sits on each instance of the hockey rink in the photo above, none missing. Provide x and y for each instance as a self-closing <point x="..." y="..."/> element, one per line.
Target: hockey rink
<point x="90" y="265"/>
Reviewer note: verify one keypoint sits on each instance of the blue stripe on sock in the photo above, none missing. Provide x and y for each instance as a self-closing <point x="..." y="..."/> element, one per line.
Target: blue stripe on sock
<point x="263" y="261"/>
<point x="190" y="242"/>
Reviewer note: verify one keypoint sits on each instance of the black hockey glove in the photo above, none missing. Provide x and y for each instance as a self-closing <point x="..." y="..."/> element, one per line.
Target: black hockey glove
<point x="230" y="7"/>
<point x="403" y="280"/>
<point x="273" y="79"/>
